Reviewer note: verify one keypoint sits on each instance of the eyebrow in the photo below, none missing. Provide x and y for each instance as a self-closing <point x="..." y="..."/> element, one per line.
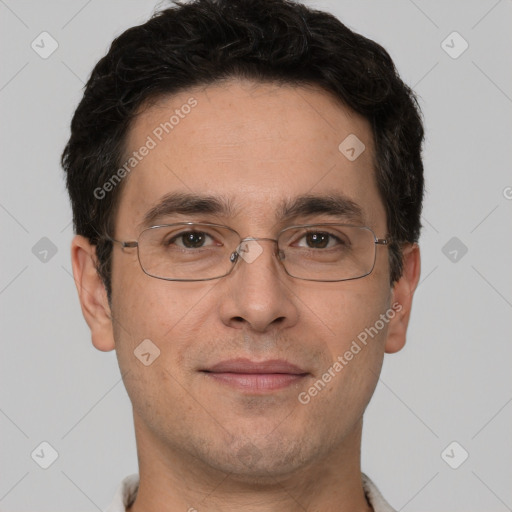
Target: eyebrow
<point x="307" y="205"/>
<point x="187" y="204"/>
<point x="336" y="205"/>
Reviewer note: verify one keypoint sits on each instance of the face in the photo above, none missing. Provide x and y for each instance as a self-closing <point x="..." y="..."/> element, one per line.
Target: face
<point x="246" y="380"/>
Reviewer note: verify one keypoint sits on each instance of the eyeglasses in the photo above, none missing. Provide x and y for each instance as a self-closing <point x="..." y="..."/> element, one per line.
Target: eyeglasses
<point x="189" y="251"/>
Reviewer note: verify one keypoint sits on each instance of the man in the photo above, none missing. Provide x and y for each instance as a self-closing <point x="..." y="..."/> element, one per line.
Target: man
<point x="246" y="183"/>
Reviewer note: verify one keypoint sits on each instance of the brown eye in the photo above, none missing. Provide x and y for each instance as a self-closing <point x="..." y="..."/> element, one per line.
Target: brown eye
<point x="193" y="239"/>
<point x="190" y="240"/>
<point x="318" y="240"/>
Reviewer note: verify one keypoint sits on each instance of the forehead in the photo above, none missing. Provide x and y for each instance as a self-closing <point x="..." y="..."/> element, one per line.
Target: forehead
<point x="256" y="145"/>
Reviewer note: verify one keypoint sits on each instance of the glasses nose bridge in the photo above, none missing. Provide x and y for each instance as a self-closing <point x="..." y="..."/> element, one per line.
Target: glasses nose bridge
<point x="240" y="249"/>
<point x="260" y="239"/>
<point x="257" y="238"/>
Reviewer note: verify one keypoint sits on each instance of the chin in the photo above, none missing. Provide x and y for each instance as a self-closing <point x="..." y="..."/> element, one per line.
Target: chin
<point x="261" y="462"/>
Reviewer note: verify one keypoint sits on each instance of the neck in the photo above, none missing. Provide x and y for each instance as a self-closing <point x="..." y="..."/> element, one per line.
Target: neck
<point x="172" y="480"/>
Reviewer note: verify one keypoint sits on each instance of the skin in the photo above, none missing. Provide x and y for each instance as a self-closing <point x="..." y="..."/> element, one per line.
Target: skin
<point x="255" y="144"/>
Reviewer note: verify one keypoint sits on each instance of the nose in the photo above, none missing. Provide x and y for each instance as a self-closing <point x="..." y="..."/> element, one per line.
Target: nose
<point x="258" y="293"/>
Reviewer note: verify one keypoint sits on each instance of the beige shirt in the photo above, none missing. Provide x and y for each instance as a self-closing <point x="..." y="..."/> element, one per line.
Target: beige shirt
<point x="127" y="492"/>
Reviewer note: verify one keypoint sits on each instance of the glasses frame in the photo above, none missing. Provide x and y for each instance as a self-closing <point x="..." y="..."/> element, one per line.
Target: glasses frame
<point x="235" y="255"/>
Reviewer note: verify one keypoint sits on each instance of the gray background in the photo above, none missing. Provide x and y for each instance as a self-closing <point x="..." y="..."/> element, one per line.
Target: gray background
<point x="451" y="382"/>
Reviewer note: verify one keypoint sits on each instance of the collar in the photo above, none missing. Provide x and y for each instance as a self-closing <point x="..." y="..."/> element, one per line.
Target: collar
<point x="127" y="493"/>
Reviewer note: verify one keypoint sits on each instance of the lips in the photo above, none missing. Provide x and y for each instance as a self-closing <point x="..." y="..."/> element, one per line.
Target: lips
<point x="248" y="366"/>
<point x="256" y="376"/>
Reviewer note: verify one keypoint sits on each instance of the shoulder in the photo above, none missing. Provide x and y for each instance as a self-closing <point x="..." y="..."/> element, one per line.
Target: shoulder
<point x="374" y="496"/>
<point x="125" y="494"/>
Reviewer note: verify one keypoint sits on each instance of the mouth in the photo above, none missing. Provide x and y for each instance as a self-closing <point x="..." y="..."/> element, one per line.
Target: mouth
<point x="252" y="376"/>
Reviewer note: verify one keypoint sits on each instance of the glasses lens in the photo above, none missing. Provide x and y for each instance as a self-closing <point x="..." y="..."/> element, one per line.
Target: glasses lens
<point x="187" y="251"/>
<point x="195" y="252"/>
<point x="327" y="252"/>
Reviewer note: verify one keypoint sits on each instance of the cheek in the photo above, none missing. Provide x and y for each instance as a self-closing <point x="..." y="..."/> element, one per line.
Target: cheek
<point x="146" y="306"/>
<point x="355" y="347"/>
<point x="165" y="312"/>
<point x="348" y="309"/>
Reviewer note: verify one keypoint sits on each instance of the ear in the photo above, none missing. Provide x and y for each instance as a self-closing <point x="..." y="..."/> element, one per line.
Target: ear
<point x="92" y="293"/>
<point x="401" y="298"/>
